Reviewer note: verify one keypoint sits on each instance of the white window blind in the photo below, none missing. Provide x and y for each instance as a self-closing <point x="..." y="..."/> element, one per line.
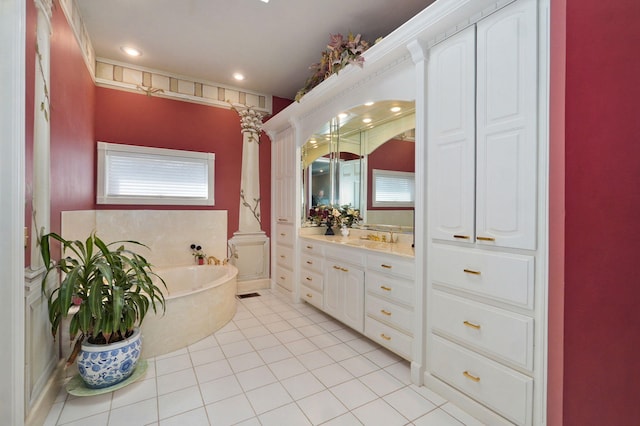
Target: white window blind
<point x="141" y="175"/>
<point x="393" y="189"/>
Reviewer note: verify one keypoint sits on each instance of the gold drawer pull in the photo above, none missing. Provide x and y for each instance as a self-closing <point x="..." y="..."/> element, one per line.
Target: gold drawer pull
<point x="462" y="237"/>
<point x="282" y="256"/>
<point x="485" y="238"/>
<point x="386" y="266"/>
<point x="385" y="337"/>
<point x="282" y="278"/>
<point x="282" y="220"/>
<point x="472" y="325"/>
<point x="309" y="247"/>
<point x="336" y="267"/>
<point x="309" y="295"/>
<point x="344" y="269"/>
<point x="471" y="271"/>
<point x="384" y="312"/>
<point x="309" y="262"/>
<point x="385" y="288"/>
<point x="471" y="376"/>
<point x="282" y="234"/>
<point x="309" y="279"/>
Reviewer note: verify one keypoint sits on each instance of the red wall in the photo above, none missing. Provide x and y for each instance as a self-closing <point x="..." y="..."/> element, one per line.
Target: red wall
<point x="137" y="119"/>
<point x="393" y="155"/>
<point x="601" y="369"/>
<point x="30" y="56"/>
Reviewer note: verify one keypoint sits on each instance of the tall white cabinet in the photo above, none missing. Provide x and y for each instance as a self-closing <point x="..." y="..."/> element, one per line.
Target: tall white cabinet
<point x="483" y="265"/>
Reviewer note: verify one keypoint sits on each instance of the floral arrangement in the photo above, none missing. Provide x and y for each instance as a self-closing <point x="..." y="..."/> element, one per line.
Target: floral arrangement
<point x="340" y="52"/>
<point x="334" y="215"/>
<point x="197" y="252"/>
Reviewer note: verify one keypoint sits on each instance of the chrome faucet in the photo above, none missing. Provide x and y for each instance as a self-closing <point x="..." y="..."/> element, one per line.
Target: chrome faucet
<point x="213" y="260"/>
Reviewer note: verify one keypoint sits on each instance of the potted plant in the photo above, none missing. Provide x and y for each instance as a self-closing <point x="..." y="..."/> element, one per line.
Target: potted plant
<point x="107" y="290"/>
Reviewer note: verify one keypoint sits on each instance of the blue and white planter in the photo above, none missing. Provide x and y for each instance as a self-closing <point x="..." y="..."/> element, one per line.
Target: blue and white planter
<point x="101" y="366"/>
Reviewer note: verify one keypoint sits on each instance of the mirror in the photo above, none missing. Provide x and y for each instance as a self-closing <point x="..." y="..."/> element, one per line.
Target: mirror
<point x="364" y="157"/>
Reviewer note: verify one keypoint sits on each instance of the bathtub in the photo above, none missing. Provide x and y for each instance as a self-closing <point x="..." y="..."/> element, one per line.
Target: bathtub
<point x="199" y="301"/>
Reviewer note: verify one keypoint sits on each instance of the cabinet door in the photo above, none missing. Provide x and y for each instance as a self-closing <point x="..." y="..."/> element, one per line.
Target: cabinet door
<point x="333" y="291"/>
<point x="353" y="298"/>
<point x="284" y="165"/>
<point x="507" y="127"/>
<point x="451" y="137"/>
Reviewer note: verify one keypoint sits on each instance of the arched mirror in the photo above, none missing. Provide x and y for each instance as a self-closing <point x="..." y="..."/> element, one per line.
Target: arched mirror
<point x="364" y="158"/>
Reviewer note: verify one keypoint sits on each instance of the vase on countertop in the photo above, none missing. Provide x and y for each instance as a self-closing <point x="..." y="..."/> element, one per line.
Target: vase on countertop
<point x="344" y="231"/>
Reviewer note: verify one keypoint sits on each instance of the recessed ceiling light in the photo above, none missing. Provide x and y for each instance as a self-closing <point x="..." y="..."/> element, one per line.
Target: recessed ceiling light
<point x="368" y="103"/>
<point x="264" y="1"/>
<point x="343" y="115"/>
<point x="131" y="51"/>
<point x="366" y="120"/>
<point x="395" y="109"/>
<point x="238" y="76"/>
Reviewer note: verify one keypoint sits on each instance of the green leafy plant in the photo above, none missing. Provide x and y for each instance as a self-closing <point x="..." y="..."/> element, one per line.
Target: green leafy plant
<point x="106" y="288"/>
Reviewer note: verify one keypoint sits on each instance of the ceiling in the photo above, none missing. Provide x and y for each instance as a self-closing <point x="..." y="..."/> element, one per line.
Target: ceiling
<point x="272" y="44"/>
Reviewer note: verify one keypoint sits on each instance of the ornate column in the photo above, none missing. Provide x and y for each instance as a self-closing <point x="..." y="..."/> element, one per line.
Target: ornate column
<point x="250" y="245"/>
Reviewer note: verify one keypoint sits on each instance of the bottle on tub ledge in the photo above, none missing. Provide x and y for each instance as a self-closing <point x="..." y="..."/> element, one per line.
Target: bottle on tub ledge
<point x="198" y="254"/>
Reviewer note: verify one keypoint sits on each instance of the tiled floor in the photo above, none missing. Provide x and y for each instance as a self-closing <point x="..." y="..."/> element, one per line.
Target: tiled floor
<point x="277" y="363"/>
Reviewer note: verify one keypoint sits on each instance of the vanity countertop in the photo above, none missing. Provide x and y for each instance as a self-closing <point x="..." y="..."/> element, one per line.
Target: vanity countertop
<point x="398" y="249"/>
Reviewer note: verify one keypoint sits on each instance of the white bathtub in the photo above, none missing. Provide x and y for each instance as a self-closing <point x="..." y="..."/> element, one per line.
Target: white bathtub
<point x="199" y="300"/>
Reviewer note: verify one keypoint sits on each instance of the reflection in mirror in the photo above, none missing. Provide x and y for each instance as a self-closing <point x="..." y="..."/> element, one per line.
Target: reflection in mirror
<point x="364" y="158"/>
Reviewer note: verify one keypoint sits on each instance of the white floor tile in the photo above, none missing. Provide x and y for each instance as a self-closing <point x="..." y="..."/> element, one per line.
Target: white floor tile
<point x="230" y="326"/>
<point x="460" y="415"/>
<point x="246" y="323"/>
<point x="206" y="355"/>
<point x="311" y="330"/>
<point x="135" y="392"/>
<point x="276" y="327"/>
<point x="290" y="314"/>
<point x="256" y="377"/>
<point x="302" y="385"/>
<point x="288" y="336"/>
<point x="362" y="346"/>
<point x="381" y="382"/>
<point x="299" y="321"/>
<point x="409" y="403"/>
<point x="78" y="408"/>
<point x="379" y="413"/>
<point x="289" y="415"/>
<point x="340" y="352"/>
<point x="268" y="398"/>
<point x="241" y="315"/>
<point x="316" y="359"/>
<point x="207" y="342"/>
<point x="175" y="381"/>
<point x="269" y="318"/>
<point x="302" y="346"/>
<point x="429" y="394"/>
<point x="437" y="418"/>
<point x="274" y="353"/>
<point x="346" y="419"/>
<point x="332" y="374"/>
<point x="325" y="340"/>
<point x="179" y="402"/>
<point x="249" y="422"/>
<point x="331" y="325"/>
<point x="96" y="420"/>
<point x="175" y="363"/>
<point x="54" y="413"/>
<point x="229" y="337"/>
<point x="259" y="330"/>
<point x="212" y="371"/>
<point x="140" y="413"/>
<point x="353" y="393"/>
<point x="287" y="368"/>
<point x="220" y="389"/>
<point x="262" y="342"/>
<point x="236" y="348"/>
<point x="230" y="411"/>
<point x="382" y="357"/>
<point x="245" y="361"/>
<point x="321" y="407"/>
<point x="346" y="334"/>
<point x="359" y="366"/>
<point x="177" y="352"/>
<point x="401" y="371"/>
<point x="197" y="417"/>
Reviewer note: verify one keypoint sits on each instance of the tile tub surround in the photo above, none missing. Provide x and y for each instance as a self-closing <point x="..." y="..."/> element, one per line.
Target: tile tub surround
<point x="167" y="233"/>
<point x="275" y="363"/>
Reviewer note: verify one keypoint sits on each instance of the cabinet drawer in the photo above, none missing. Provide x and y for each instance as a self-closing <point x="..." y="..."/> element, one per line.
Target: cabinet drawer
<point x="339" y="257"/>
<point x="284" y="277"/>
<point x="391" y="265"/>
<point x="500" y="388"/>
<point x="502" y="276"/>
<point x="284" y="256"/>
<point x="284" y="234"/>
<point x="311" y="279"/>
<point x="395" y="288"/>
<point x="388" y="337"/>
<point x="310" y="295"/>
<point x="499" y="332"/>
<point x="390" y="312"/>
<point x="311" y="262"/>
<point x="311" y="247"/>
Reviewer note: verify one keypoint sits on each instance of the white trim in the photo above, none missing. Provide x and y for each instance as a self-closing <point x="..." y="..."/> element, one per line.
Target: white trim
<point x="12" y="176"/>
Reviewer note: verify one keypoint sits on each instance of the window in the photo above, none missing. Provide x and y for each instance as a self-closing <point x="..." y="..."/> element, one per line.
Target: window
<point x="141" y="175"/>
<point x="393" y="189"/>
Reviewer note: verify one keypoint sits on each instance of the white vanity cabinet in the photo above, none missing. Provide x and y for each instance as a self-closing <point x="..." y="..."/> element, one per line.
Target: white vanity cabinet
<point x="482" y="147"/>
<point x="283" y="239"/>
<point x="312" y="273"/>
<point x="390" y="302"/>
<point x="344" y="286"/>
